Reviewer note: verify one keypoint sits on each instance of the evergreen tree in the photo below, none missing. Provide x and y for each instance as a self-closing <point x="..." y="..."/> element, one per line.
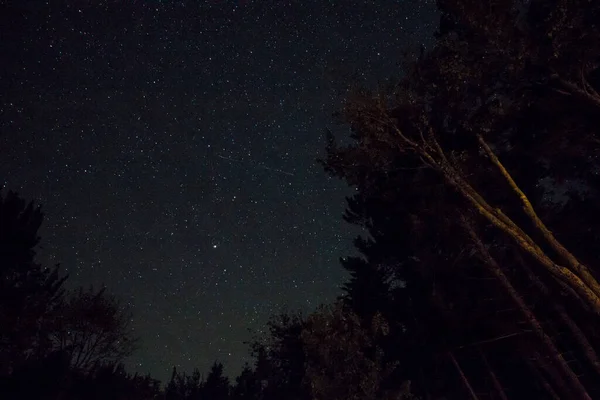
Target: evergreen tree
<point x="217" y="385"/>
<point x="184" y="387"/>
<point x="451" y="167"/>
<point x="173" y="391"/>
<point x="280" y="359"/>
<point x="29" y="292"/>
<point x="247" y="386"/>
<point x="54" y="343"/>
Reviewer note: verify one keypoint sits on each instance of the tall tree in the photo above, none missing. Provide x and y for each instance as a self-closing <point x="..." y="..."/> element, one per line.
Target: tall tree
<point x="280" y="358"/>
<point x="217" y="385"/>
<point x="247" y="385"/>
<point x="183" y="386"/>
<point x="454" y="162"/>
<point x="29" y="292"/>
<point x="343" y="359"/>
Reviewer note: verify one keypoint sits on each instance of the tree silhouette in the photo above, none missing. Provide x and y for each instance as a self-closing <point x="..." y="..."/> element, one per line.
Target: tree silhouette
<point x="111" y="381"/>
<point x="280" y="358"/>
<point x="54" y="343"/>
<point x="29" y="293"/>
<point x="247" y="386"/>
<point x="93" y="328"/>
<point x="343" y="359"/>
<point x="183" y="386"/>
<point x="451" y="166"/>
<point x="477" y="182"/>
<point x="216" y="386"/>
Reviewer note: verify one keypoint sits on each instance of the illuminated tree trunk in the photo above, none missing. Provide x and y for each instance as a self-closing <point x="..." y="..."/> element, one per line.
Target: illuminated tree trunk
<point x="557" y="358"/>
<point x="575" y="330"/>
<point x="575" y="274"/>
<point x="566" y="255"/>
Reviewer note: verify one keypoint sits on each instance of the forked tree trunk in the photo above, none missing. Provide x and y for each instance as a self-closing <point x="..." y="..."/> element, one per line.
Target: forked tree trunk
<point x="574" y="274"/>
<point x="582" y="271"/>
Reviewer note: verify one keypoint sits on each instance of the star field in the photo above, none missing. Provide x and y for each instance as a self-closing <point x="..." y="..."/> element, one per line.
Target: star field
<point x="172" y="145"/>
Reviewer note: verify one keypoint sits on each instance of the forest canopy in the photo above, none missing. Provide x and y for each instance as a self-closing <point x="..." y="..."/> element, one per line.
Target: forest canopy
<point x="476" y="178"/>
<point x="455" y="167"/>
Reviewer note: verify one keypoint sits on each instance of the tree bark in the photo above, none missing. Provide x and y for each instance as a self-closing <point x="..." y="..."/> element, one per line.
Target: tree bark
<point x="558" y="359"/>
<point x="577" y="333"/>
<point x="431" y="153"/>
<point x="583" y="272"/>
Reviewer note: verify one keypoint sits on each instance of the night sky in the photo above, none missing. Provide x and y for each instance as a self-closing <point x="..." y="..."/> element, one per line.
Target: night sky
<point x="172" y="145"/>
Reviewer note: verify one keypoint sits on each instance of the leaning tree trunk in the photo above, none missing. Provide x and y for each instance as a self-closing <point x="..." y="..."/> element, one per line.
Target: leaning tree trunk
<point x="544" y="382"/>
<point x="557" y="358"/>
<point x="579" y="336"/>
<point x="493" y="376"/>
<point x="576" y="266"/>
<point x="427" y="148"/>
<point x="463" y="377"/>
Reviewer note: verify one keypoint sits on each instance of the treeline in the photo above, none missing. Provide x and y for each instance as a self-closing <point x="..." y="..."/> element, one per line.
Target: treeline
<point x="477" y="178"/>
<point x="60" y="344"/>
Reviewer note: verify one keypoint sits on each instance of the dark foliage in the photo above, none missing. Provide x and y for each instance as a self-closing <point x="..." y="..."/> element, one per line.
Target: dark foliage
<point x="93" y="328"/>
<point x="476" y="179"/>
<point x="492" y="278"/>
<point x="55" y="343"/>
<point x="29" y="292"/>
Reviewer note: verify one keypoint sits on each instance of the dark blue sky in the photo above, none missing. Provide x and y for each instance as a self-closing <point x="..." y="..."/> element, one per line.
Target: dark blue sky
<point x="173" y="145"/>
